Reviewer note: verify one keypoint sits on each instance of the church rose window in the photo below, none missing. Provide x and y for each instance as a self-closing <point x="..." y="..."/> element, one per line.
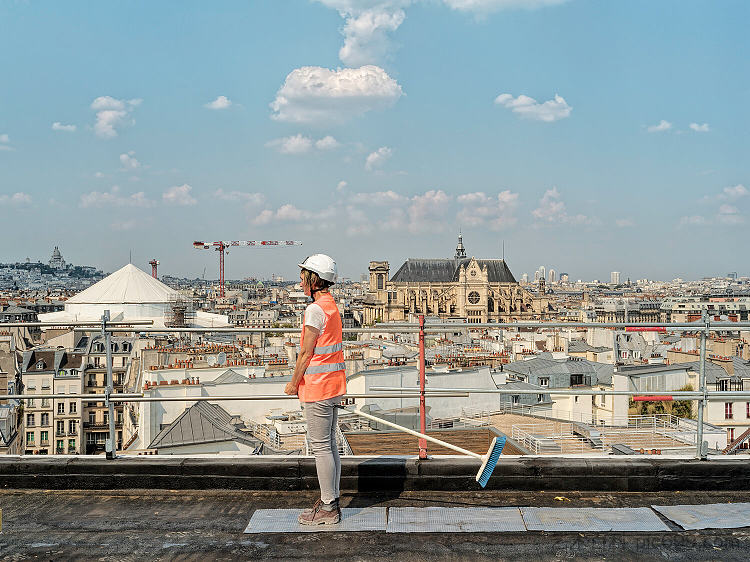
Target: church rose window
<point x="473" y="297"/>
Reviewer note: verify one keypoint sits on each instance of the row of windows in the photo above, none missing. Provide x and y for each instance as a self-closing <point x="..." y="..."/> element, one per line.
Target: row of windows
<point x="729" y="410"/>
<point x="44" y="417"/>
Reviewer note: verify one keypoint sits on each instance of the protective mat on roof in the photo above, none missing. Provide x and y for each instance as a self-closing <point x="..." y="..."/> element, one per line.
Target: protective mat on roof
<point x="592" y="519"/>
<point x="285" y="521"/>
<point x="710" y="516"/>
<point x="454" y="520"/>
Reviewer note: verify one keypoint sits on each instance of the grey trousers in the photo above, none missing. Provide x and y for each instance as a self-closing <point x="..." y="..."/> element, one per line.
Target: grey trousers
<point x="321" y="419"/>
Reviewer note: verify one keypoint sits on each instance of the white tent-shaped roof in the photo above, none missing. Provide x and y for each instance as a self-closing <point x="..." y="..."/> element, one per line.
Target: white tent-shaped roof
<point x="127" y="285"/>
<point x="129" y="294"/>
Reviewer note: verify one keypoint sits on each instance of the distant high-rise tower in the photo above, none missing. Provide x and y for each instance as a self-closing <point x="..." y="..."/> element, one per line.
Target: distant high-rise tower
<point x="564" y="278"/>
<point x="460" y="250"/>
<point x="614" y="277"/>
<point x="551" y="276"/>
<point x="525" y="278"/>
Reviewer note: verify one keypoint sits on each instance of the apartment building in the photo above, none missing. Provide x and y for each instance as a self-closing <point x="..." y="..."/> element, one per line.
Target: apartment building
<point x="95" y="414"/>
<point x="37" y="372"/>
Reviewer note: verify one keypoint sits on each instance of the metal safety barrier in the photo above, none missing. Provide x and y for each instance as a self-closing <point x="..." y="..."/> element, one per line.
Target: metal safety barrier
<point x="106" y="327"/>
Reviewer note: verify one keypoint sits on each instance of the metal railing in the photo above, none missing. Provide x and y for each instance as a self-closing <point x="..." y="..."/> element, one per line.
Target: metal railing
<point x="110" y="398"/>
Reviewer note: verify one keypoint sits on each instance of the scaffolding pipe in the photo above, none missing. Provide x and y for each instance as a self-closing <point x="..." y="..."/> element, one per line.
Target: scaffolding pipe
<point x="702" y="387"/>
<point x="679" y="394"/>
<point x="111" y="446"/>
<point x="422" y="403"/>
<point x="115" y="398"/>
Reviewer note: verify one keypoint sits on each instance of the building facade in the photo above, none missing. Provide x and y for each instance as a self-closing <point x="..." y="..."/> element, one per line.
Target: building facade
<point x="478" y="290"/>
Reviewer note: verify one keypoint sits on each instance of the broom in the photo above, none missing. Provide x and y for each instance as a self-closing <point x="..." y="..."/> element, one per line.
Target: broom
<point x="489" y="461"/>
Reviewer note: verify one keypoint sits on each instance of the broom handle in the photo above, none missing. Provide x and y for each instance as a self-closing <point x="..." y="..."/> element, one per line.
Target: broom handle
<point x="415" y="433"/>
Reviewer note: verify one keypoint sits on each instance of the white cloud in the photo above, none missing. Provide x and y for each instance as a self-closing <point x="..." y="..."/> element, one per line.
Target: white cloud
<point x="301" y="144"/>
<point x="699" y="128"/>
<point x="57" y="126"/>
<point x="366" y="35"/>
<point x="427" y="212"/>
<point x="114" y="198"/>
<point x="129" y="162"/>
<point x="179" y="195"/>
<point x="327" y="143"/>
<point x="552" y="210"/>
<point x="693" y="220"/>
<point x="480" y="209"/>
<point x="482" y="7"/>
<point x="249" y="198"/>
<point x="4" y="138"/>
<point x="548" y="111"/>
<point x="378" y="158"/>
<point x="293" y="214"/>
<point x="312" y="94"/>
<point x="99" y="175"/>
<point x="368" y="25"/>
<point x="624" y="223"/>
<point x="296" y="144"/>
<point x="221" y="102"/>
<point x="661" y="127"/>
<point x="734" y="192"/>
<point x="112" y="114"/>
<point x="729" y="214"/>
<point x="341" y="186"/>
<point x="18" y="198"/>
<point x="378" y="198"/>
<point x="128" y="224"/>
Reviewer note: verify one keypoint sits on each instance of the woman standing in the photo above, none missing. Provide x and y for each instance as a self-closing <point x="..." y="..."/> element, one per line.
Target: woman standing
<point x="320" y="382"/>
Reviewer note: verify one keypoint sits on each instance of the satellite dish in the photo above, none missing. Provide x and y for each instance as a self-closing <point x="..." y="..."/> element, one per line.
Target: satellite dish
<point x="221" y="358"/>
<point x="212" y="360"/>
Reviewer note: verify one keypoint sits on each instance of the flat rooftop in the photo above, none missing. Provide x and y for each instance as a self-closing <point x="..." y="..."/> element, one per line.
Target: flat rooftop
<point x="191" y="508"/>
<point x="137" y="524"/>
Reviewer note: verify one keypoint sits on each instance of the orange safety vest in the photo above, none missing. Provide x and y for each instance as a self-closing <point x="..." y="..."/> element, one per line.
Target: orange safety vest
<point x="325" y="377"/>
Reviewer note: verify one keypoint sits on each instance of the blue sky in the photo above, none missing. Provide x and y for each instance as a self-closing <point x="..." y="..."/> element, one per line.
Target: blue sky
<point x="590" y="136"/>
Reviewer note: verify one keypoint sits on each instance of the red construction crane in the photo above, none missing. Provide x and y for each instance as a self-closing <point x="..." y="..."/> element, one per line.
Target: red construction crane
<point x="221" y="247"/>
<point x="154" y="263"/>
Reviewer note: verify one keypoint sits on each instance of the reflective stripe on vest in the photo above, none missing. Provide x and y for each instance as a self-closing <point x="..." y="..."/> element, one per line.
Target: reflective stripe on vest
<point x="329" y="368"/>
<point x="328" y="349"/>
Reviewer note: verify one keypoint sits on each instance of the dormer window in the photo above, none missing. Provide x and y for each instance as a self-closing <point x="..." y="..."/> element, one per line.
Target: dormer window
<point x="40" y="365"/>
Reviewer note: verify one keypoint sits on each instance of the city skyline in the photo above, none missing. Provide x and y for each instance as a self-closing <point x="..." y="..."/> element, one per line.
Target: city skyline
<point x="593" y="137"/>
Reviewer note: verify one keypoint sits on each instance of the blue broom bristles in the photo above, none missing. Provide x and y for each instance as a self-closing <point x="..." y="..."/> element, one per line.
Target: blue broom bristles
<point x="490" y="461"/>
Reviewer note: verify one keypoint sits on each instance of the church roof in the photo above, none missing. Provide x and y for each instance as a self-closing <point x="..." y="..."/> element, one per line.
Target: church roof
<point x="127" y="285"/>
<point x="417" y="270"/>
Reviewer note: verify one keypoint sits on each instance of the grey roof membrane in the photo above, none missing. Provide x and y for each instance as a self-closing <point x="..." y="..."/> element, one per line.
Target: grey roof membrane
<point x="709" y="516"/>
<point x="417" y="270"/>
<point x="592" y="519"/>
<point x="202" y="422"/>
<point x="285" y="521"/>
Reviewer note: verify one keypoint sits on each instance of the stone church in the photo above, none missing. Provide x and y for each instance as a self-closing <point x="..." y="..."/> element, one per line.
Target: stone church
<point x="468" y="288"/>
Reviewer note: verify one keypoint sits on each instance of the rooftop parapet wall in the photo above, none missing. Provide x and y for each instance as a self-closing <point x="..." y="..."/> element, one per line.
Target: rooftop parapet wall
<point x="377" y="474"/>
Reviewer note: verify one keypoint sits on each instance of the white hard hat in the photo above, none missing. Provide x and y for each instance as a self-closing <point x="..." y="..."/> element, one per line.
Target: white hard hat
<point x="323" y="265"/>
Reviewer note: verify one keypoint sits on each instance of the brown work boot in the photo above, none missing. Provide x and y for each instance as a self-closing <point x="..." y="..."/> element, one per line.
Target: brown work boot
<point x="318" y="515"/>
